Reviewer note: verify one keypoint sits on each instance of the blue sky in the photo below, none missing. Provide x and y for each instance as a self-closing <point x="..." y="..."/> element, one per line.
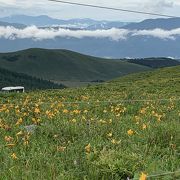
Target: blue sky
<point x="62" y="11"/>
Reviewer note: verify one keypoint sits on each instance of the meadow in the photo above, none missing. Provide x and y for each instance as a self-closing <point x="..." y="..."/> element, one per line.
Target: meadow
<point x="125" y="128"/>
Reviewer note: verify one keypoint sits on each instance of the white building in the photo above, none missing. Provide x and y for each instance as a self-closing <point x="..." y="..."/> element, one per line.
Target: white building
<point x="17" y="89"/>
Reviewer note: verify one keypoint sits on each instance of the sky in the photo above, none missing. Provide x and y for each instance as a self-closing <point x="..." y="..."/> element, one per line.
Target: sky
<point x="64" y="11"/>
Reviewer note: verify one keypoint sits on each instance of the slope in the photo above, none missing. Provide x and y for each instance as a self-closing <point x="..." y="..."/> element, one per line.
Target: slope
<point x="162" y="23"/>
<point x="63" y="65"/>
<point x="79" y="133"/>
<point x="8" y="78"/>
<point x="156" y="62"/>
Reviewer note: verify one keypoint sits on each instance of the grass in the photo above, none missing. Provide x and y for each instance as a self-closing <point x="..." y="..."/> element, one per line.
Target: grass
<point x="45" y="137"/>
<point x="63" y="65"/>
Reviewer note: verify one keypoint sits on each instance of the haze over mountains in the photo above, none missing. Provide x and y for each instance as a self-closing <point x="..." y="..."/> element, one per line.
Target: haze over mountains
<point x="150" y="38"/>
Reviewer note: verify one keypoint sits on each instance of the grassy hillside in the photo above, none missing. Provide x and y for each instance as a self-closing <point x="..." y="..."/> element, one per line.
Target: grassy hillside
<point x="63" y="65"/>
<point x="156" y="62"/>
<point x="115" y="130"/>
<point x="8" y="78"/>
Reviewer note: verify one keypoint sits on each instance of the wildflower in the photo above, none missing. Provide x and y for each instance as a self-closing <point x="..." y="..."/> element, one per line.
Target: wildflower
<point x="13" y="155"/>
<point x="19" y="121"/>
<point x="88" y="148"/>
<point x="109" y="134"/>
<point x="144" y="126"/>
<point x="65" y="111"/>
<point x="102" y="121"/>
<point x="130" y="132"/>
<point x="36" y="121"/>
<point x="110" y="121"/>
<point x="19" y="133"/>
<point x="26" y="142"/>
<point x="61" y="148"/>
<point x="77" y="111"/>
<point x="114" y="141"/>
<point x="143" y="111"/>
<point x="37" y="110"/>
<point x="7" y="111"/>
<point x="73" y="120"/>
<point x="105" y="111"/>
<point x="10" y="145"/>
<point x="8" y="138"/>
<point x="55" y="136"/>
<point x="143" y="176"/>
<point x="85" y="111"/>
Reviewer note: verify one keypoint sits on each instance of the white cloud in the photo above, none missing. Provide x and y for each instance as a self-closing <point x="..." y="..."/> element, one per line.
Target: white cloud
<point x="159" y="33"/>
<point x="40" y="34"/>
<point x="64" y="11"/>
<point x="37" y="34"/>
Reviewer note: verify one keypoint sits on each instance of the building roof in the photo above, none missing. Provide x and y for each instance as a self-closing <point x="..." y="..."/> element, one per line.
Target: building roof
<point x="12" y="88"/>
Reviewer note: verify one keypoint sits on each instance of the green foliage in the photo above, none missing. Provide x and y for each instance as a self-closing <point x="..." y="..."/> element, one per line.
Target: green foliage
<point x="63" y="65"/>
<point x="8" y="78"/>
<point x="94" y="139"/>
<point x="156" y="62"/>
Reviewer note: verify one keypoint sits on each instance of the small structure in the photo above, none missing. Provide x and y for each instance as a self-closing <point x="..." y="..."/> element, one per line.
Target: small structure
<point x="18" y="89"/>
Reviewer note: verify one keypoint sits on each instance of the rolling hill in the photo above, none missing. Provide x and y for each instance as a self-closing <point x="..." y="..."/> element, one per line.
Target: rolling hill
<point x="125" y="129"/>
<point x="63" y="65"/>
<point x="156" y="62"/>
<point x="8" y="78"/>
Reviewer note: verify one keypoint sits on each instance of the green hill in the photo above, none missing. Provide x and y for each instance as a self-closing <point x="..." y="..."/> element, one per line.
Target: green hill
<point x="121" y="129"/>
<point x="8" y="78"/>
<point x="63" y="65"/>
<point x="156" y="62"/>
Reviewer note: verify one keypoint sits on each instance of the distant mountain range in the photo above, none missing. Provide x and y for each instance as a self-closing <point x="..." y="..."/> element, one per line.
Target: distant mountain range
<point x="46" y="21"/>
<point x="140" y="40"/>
<point x="166" y="24"/>
<point x="16" y="25"/>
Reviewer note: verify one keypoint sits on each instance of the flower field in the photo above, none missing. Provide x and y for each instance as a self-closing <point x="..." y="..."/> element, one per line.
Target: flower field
<point x="126" y="128"/>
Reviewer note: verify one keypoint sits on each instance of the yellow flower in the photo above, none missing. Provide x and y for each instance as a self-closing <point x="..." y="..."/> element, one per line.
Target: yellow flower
<point x="10" y="145"/>
<point x="65" y="111"/>
<point x="85" y="111"/>
<point x="110" y="134"/>
<point x="19" y="133"/>
<point x="130" y="132"/>
<point x="61" y="148"/>
<point x="113" y="141"/>
<point x="26" y="142"/>
<point x="144" y="126"/>
<point x="143" y="111"/>
<point x="37" y="110"/>
<point x="19" y="121"/>
<point x="8" y="138"/>
<point x="88" y="148"/>
<point x="110" y="121"/>
<point x="143" y="176"/>
<point x="73" y="120"/>
<point x="13" y="155"/>
<point x="76" y="111"/>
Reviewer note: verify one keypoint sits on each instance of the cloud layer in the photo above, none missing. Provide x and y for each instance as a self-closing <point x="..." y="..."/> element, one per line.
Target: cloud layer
<point x="38" y="34"/>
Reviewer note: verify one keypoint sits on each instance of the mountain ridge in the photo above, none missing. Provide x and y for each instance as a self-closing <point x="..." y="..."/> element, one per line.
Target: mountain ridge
<point x="64" y="65"/>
